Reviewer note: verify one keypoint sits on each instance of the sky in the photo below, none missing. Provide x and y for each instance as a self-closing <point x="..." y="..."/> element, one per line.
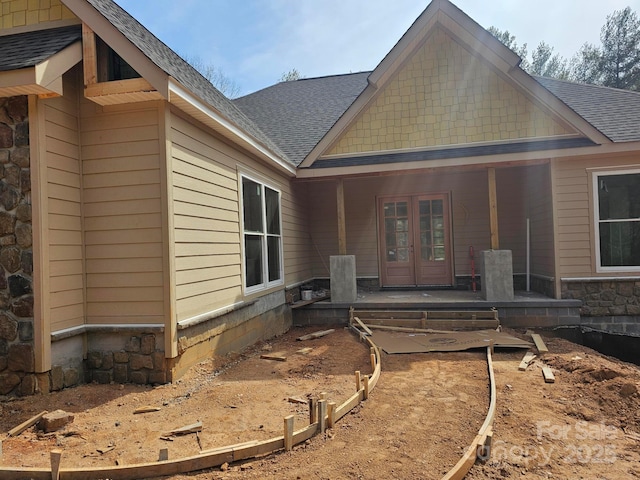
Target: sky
<point x="253" y="42"/>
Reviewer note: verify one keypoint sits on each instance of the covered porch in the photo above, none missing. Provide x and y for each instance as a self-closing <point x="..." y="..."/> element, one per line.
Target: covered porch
<point x="526" y="310"/>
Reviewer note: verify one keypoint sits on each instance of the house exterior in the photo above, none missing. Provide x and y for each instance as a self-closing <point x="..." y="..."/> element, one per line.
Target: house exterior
<point x="147" y="222"/>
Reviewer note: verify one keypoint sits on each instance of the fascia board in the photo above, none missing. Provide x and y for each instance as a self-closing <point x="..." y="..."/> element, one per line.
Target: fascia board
<point x="225" y="127"/>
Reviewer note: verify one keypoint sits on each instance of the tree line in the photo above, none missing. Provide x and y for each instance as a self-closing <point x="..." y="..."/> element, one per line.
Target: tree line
<point x="613" y="63"/>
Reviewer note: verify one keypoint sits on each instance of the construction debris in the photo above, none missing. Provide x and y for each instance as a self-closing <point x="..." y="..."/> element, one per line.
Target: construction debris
<point x="314" y="335"/>
<point x="526" y="360"/>
<point x="274" y="356"/>
<point x="548" y="375"/>
<point x="297" y="400"/>
<point x="51" y="422"/>
<point x="305" y="351"/>
<point x="537" y="339"/>
<point x="146" y="410"/>
<point x="26" y="424"/>
<point x="193" y="428"/>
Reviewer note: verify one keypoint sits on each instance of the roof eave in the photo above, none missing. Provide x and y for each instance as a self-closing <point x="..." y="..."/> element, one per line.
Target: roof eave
<point x="44" y="78"/>
<point x="203" y="112"/>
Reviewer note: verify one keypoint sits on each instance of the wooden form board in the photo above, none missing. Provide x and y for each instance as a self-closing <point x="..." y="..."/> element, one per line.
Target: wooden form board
<point x="540" y="345"/>
<point x="548" y="375"/>
<point x="526" y="360"/>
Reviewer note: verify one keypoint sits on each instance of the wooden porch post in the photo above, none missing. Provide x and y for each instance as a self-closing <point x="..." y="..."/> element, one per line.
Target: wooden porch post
<point x="342" y="226"/>
<point x="493" y="209"/>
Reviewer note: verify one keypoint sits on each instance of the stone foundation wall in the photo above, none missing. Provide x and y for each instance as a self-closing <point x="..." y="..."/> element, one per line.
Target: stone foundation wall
<point x="139" y="362"/>
<point x="608" y="298"/>
<point x="17" y="361"/>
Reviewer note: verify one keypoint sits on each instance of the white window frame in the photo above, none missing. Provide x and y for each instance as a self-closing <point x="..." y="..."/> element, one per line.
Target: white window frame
<point x="596" y="175"/>
<point x="266" y="284"/>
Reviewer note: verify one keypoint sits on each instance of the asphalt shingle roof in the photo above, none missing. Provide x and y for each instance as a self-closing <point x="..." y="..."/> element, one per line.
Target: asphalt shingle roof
<point x="297" y="114"/>
<point x="172" y="64"/>
<point x="26" y="50"/>
<point x="616" y="113"/>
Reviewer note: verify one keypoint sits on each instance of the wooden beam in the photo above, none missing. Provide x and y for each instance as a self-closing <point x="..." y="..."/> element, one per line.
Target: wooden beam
<point x="526" y="360"/>
<point x="288" y="433"/>
<point x="314" y="335"/>
<point x="130" y="85"/>
<point x="342" y="223"/>
<point x="548" y="375"/>
<point x="89" y="56"/>
<point x="56" y="457"/>
<point x="493" y="209"/>
<point x="26" y="424"/>
<point x="540" y="345"/>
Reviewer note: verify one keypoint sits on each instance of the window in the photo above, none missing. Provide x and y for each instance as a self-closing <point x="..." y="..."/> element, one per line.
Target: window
<point x="112" y="66"/>
<point x="262" y="235"/>
<point x="617" y="197"/>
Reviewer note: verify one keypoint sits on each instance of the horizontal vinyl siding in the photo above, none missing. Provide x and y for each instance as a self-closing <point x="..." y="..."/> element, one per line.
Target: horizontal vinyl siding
<point x="576" y="230"/>
<point x="63" y="174"/>
<point x="122" y="213"/>
<point x="206" y="221"/>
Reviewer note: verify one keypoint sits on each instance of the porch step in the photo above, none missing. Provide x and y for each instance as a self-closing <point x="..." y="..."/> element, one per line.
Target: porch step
<point x="428" y="319"/>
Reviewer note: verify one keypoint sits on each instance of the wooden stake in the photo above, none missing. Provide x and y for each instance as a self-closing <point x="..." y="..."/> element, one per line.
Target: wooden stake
<point x="288" y="433"/>
<point x="323" y="395"/>
<point x="26" y="424"/>
<point x="373" y="361"/>
<point x="322" y="415"/>
<point x="164" y="455"/>
<point x="363" y="326"/>
<point x="331" y="414"/>
<point x="313" y="411"/>
<point x="358" y="383"/>
<point x="365" y="380"/>
<point x="56" y="457"/>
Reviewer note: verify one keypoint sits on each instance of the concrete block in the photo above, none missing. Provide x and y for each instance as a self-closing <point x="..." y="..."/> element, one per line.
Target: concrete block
<point x="53" y="421"/>
<point x="497" y="275"/>
<point x="343" y="278"/>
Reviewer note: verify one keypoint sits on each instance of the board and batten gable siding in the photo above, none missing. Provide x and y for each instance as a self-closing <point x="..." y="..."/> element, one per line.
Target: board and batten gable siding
<point x="122" y="213"/>
<point x="64" y="204"/>
<point x="469" y="206"/>
<point x="207" y="219"/>
<point x="574" y="212"/>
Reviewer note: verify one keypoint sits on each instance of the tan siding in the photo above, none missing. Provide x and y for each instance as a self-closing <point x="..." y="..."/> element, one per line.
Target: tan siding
<point x="64" y="207"/>
<point x="122" y="210"/>
<point x="576" y="236"/>
<point x="207" y="220"/>
<point x="512" y="215"/>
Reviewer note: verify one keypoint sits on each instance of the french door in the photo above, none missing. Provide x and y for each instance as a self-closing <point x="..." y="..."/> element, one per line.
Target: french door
<point x="414" y="240"/>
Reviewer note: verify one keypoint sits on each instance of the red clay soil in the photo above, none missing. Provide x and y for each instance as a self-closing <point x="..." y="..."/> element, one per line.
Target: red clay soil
<point x="424" y="412"/>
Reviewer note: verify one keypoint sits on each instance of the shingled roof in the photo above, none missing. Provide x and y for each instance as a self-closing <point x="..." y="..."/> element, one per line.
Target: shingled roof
<point x="26" y="50"/>
<point x="297" y="114"/>
<point x="615" y="112"/>
<point x="172" y="64"/>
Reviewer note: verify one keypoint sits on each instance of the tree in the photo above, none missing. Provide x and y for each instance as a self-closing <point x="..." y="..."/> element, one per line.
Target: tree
<point x="290" y="76"/>
<point x="585" y="65"/>
<point x="546" y="64"/>
<point x="620" y="54"/>
<point x="215" y="75"/>
<point x="510" y="41"/>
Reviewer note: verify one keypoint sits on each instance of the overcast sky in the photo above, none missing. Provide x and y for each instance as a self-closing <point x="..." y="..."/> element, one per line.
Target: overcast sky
<point x="255" y="41"/>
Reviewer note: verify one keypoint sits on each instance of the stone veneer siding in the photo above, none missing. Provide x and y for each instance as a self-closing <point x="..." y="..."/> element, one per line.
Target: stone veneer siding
<point x="605" y="298"/>
<point x="17" y="360"/>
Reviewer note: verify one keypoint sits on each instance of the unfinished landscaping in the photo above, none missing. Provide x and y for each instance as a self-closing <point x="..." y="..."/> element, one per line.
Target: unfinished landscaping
<point x="423" y="414"/>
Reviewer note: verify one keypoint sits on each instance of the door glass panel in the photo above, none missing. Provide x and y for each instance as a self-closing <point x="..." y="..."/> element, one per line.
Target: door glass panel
<point x="432" y="230"/>
<point x="396" y="231"/>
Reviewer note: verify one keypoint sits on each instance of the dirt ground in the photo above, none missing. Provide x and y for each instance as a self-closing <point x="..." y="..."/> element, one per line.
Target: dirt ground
<point x="425" y="410"/>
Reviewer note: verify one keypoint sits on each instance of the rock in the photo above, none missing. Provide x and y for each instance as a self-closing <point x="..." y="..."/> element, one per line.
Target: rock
<point x="57" y="378"/>
<point x="26" y="262"/>
<point x="4" y="154"/>
<point x="10" y="260"/>
<point x="22" y="134"/>
<point x="20" y="157"/>
<point x="148" y="344"/>
<point x="8" y="381"/>
<point x="21" y="358"/>
<point x="94" y="360"/>
<point x="8" y="328"/>
<point x="23" y="234"/>
<point x="101" y="376"/>
<point x="23" y="307"/>
<point x="158" y="378"/>
<point x="12" y="174"/>
<point x="9" y="196"/>
<point x="71" y="377"/>
<point x="17" y="108"/>
<point x="19" y="285"/>
<point x="121" y="357"/>
<point x="7" y="240"/>
<point x="23" y="212"/>
<point x="27" y="386"/>
<point x="120" y="373"/>
<point x="7" y="223"/>
<point x="6" y="136"/>
<point x="158" y="361"/>
<point x="628" y="389"/>
<point x="25" y="180"/>
<point x="25" y="330"/>
<point x="224" y="467"/>
<point x="107" y="361"/>
<point x="54" y="421"/>
<point x="138" y="362"/>
<point x="133" y="345"/>
<point x="140" y="377"/>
